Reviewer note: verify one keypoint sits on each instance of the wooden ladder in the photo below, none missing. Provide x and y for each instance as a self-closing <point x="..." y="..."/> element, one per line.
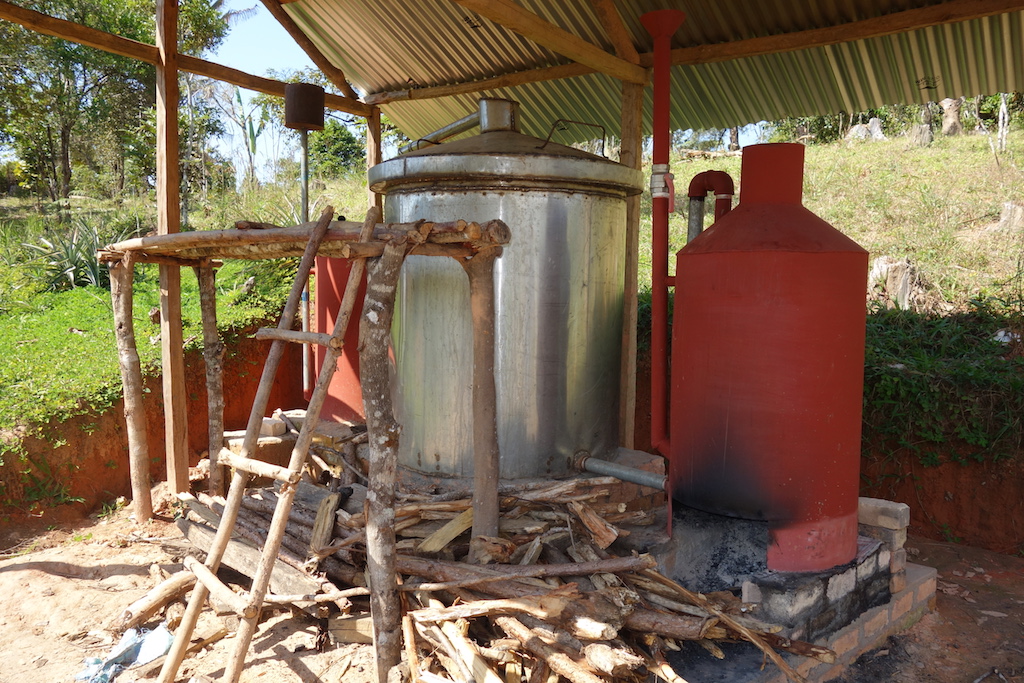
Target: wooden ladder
<point x="248" y="605"/>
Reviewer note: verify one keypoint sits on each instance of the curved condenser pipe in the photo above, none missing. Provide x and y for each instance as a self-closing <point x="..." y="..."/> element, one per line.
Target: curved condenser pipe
<point x="661" y="24"/>
<point x="723" y="187"/>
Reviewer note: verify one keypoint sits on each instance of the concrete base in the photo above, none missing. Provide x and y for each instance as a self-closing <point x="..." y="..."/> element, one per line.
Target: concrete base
<point x="743" y="661"/>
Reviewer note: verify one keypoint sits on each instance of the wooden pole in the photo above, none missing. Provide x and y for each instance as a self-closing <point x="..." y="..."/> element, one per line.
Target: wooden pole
<point x="121" y="276"/>
<point x="486" y="457"/>
<point x="213" y="357"/>
<point x="630" y="154"/>
<point x="373" y="150"/>
<point x="168" y="179"/>
<point x="374" y="333"/>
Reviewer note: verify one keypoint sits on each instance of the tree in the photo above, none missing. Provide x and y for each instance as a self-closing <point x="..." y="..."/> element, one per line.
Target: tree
<point x="335" y="151"/>
<point x="65" y="102"/>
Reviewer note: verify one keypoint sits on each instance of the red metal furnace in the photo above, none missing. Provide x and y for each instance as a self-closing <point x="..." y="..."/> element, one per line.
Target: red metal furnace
<point x="345" y="397"/>
<point x="768" y="366"/>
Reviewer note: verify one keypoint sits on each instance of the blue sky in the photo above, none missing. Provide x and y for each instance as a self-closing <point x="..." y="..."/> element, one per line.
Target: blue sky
<point x="257" y="45"/>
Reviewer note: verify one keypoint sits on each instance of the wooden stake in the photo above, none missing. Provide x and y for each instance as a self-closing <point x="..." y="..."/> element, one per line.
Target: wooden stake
<point x="486" y="457"/>
<point x="121" y="278"/>
<point x="374" y="333"/>
<point x="213" y="357"/>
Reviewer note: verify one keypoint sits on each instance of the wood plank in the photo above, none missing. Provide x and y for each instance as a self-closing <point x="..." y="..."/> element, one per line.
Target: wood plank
<point x="333" y="73"/>
<point x="514" y="17"/>
<point x="243" y="557"/>
<point x="617" y="33"/>
<point x="951" y="12"/>
<point x="108" y="42"/>
<point x="630" y="154"/>
<point x="448" y="533"/>
<point x="551" y="73"/>
<point x="168" y="210"/>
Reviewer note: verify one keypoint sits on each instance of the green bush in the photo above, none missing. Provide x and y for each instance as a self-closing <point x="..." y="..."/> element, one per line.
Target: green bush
<point x="938" y="386"/>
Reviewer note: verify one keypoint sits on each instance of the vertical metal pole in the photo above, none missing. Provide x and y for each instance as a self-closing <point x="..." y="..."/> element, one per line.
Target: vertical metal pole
<point x="307" y="366"/>
<point x="661" y="24"/>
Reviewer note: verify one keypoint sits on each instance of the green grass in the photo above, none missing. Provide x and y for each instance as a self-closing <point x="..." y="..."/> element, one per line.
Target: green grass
<point x="932" y="205"/>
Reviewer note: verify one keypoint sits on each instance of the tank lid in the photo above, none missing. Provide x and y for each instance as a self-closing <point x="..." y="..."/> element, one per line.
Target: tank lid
<point x="502" y="153"/>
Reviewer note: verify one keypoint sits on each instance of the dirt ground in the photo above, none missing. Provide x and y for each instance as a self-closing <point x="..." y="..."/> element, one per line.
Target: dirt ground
<point x="60" y="589"/>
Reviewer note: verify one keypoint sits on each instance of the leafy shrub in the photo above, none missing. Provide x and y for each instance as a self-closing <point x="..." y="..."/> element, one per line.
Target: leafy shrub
<point x="66" y="260"/>
<point x="942" y="384"/>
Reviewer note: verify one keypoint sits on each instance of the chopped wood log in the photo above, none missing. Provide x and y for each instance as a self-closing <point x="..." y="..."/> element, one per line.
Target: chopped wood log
<point x="472" y="663"/>
<point x="374" y="334"/>
<point x="603" y="533"/>
<point x="323" y="526"/>
<point x="730" y="622"/>
<point x="486" y="456"/>
<point x="448" y="533"/>
<point x="218" y="590"/>
<point x="454" y="571"/>
<point x="490" y="550"/>
<point x="559" y="662"/>
<point x="145" y="607"/>
<point x="121" y="278"/>
<point x="549" y="606"/>
<point x="244" y="558"/>
<point x="213" y="359"/>
<point x="614" y="661"/>
<point x="346" y="628"/>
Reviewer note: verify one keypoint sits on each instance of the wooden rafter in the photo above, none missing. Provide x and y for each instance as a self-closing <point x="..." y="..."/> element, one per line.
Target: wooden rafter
<point x="617" y="33"/>
<point x="551" y="73"/>
<point x="333" y="73"/>
<point x="108" y="42"/>
<point x="513" y="17"/>
<point x="951" y="12"/>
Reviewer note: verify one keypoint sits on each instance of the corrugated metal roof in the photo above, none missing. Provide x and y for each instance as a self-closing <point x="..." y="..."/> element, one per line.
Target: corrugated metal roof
<point x="389" y="45"/>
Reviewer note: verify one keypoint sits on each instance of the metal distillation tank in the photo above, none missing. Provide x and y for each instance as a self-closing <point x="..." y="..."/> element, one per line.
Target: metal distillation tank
<point x="558" y="297"/>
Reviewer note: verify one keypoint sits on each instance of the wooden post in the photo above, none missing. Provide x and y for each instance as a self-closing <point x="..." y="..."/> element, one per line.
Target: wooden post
<point x="373" y="151"/>
<point x="213" y="356"/>
<point x="630" y="154"/>
<point x="374" y="333"/>
<point x="168" y="179"/>
<point x="486" y="458"/>
<point x="121" y="276"/>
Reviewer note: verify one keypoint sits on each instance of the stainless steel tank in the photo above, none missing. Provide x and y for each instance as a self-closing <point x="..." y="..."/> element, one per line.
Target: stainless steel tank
<point x="558" y="289"/>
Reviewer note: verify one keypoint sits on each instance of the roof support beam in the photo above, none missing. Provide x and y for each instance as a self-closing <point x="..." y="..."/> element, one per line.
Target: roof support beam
<point x="617" y="33"/>
<point x="108" y="42"/>
<point x="513" y="17"/>
<point x="333" y="73"/>
<point x="551" y="73"/>
<point x="168" y="220"/>
<point x="951" y="12"/>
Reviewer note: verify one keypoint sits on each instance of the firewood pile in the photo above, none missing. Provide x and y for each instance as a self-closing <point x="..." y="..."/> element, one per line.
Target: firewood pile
<point x="551" y="599"/>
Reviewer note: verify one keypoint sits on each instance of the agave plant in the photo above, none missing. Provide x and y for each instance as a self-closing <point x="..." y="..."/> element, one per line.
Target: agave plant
<point x="68" y="260"/>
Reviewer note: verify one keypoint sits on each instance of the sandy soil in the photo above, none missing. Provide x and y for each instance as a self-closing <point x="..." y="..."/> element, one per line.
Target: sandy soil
<point x="60" y="589"/>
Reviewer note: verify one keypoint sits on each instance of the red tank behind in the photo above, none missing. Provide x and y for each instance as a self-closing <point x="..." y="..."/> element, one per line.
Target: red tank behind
<point x="768" y="368"/>
<point x="344" y="398"/>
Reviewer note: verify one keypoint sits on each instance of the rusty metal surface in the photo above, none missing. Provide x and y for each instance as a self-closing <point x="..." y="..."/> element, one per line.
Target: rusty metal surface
<point x="401" y="44"/>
